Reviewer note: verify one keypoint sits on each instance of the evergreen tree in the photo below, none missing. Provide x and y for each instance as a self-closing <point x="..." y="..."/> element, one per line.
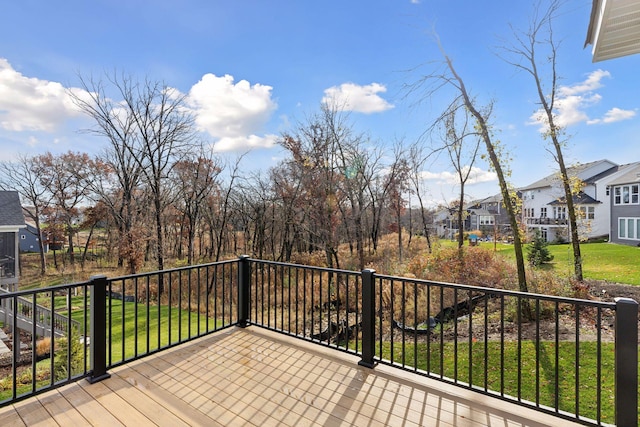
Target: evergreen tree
<point x="537" y="252"/>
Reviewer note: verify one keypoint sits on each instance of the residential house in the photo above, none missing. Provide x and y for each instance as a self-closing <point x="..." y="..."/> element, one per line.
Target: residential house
<point x="29" y="240"/>
<point x="487" y="215"/>
<point x="544" y="206"/>
<point x="624" y="193"/>
<point x="11" y="221"/>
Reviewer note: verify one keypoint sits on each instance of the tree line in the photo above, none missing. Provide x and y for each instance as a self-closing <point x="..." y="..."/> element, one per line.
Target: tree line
<point x="157" y="189"/>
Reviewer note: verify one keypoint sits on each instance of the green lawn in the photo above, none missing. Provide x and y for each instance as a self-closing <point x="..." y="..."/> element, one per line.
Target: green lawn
<point x="180" y="325"/>
<point x="174" y="326"/>
<point x="601" y="261"/>
<point x="527" y="387"/>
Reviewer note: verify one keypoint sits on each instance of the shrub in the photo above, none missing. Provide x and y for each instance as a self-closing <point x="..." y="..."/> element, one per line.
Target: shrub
<point x="538" y="252"/>
<point x="72" y="350"/>
<point x="43" y="347"/>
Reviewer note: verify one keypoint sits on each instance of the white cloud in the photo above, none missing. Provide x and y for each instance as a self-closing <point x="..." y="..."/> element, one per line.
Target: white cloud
<point x="232" y="112"/>
<point x="31" y="104"/>
<point x="614" y="115"/>
<point x="245" y="142"/>
<point x="476" y="176"/>
<point x="353" y="97"/>
<point x="591" y="83"/>
<point x="573" y="101"/>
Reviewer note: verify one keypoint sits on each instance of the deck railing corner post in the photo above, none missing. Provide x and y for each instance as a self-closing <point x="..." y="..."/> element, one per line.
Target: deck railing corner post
<point x="98" y="331"/>
<point x="368" y="318"/>
<point x="244" y="290"/>
<point x="626" y="362"/>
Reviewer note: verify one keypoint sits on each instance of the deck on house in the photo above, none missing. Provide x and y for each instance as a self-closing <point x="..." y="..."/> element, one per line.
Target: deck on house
<point x="254" y="377"/>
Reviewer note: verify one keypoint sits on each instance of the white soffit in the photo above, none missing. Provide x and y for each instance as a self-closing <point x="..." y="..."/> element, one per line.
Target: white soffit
<point x="614" y="28"/>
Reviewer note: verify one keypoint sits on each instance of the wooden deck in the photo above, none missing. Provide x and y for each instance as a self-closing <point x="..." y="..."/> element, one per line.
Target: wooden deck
<point x="252" y="377"/>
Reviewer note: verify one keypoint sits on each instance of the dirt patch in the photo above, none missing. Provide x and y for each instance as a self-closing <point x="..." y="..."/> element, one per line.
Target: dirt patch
<point x="605" y="291"/>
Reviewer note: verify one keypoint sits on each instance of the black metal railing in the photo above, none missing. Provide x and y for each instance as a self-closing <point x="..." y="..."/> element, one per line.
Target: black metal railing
<point x="105" y="323"/>
<point x="317" y="304"/>
<point x="547" y="221"/>
<point x="35" y="359"/>
<point x="146" y="313"/>
<point x="536" y="350"/>
<point x="539" y="351"/>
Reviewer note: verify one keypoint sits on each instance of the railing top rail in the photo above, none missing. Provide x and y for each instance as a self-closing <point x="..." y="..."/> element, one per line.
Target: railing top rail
<point x="6" y="294"/>
<point x="304" y="267"/>
<point x="171" y="270"/>
<point x="505" y="292"/>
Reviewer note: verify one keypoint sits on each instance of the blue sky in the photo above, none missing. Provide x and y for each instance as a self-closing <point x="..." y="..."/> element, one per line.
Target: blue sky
<point x="253" y="69"/>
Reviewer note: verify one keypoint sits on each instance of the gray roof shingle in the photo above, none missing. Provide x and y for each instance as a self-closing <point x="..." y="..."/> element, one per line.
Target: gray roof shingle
<point x="10" y="209"/>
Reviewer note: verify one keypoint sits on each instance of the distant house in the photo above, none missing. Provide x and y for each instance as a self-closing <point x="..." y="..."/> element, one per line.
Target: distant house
<point x="544" y="205"/>
<point x="487" y="215"/>
<point x="11" y="221"/>
<point x="29" y="240"/>
<point x="624" y="193"/>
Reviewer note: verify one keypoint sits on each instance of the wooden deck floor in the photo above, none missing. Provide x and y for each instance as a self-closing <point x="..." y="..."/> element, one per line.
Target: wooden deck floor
<point x="252" y="377"/>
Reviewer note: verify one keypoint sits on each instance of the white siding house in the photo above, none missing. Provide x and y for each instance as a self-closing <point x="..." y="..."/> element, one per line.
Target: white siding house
<point x="544" y="205"/>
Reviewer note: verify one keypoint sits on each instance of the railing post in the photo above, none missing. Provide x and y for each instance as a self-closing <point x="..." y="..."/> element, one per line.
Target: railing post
<point x="244" y="290"/>
<point x="98" y="333"/>
<point x="626" y="365"/>
<point x="368" y="318"/>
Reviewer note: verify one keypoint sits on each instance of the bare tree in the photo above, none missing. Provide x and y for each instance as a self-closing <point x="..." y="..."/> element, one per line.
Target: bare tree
<point x="462" y="154"/>
<point x="535" y="51"/>
<point x="218" y="209"/>
<point x="157" y="129"/>
<point x="196" y="177"/>
<point x="65" y="177"/>
<point x="416" y="162"/>
<point x="397" y="186"/>
<point x="449" y="77"/>
<point x="314" y="152"/>
<point x="117" y="176"/>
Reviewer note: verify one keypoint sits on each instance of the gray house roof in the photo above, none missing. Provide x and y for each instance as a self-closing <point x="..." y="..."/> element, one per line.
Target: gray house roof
<point x="631" y="176"/>
<point x="11" y="209"/>
<point x="578" y="171"/>
<point x="578" y="199"/>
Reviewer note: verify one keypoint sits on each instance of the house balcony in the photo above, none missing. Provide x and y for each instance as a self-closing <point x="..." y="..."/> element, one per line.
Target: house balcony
<point x="250" y="342"/>
<point x="552" y="222"/>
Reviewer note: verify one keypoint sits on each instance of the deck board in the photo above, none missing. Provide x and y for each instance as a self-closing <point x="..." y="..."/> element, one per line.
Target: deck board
<point x="253" y="377"/>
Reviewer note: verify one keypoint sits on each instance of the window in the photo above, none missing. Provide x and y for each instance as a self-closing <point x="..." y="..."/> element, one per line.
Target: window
<point x="629" y="228"/>
<point x="543" y="213"/>
<point x="486" y="220"/>
<point x="560" y="212"/>
<point x="587" y="212"/>
<point x="626" y="194"/>
<point x="22" y="237"/>
<point x="544" y="234"/>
